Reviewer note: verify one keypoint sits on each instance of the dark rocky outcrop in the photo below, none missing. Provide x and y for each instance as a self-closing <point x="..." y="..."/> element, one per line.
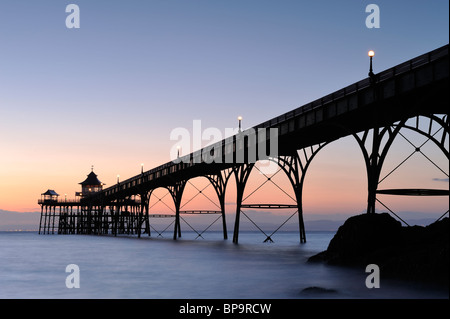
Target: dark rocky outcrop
<point x="317" y="290"/>
<point x="413" y="253"/>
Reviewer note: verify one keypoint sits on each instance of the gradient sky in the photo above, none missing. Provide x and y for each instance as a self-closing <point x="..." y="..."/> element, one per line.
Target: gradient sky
<point x="109" y="93"/>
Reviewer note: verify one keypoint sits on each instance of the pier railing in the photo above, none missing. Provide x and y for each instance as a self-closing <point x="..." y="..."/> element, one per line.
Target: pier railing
<point x="84" y="202"/>
<point x="58" y="201"/>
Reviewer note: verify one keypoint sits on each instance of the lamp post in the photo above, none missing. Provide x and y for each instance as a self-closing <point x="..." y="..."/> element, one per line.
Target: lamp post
<point x="142" y="168"/>
<point x="240" y="124"/>
<point x="118" y="176"/>
<point x="371" y="55"/>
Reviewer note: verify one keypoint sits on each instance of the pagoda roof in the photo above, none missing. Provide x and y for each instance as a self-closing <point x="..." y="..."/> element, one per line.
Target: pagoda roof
<point x="50" y="192"/>
<point x="91" y="180"/>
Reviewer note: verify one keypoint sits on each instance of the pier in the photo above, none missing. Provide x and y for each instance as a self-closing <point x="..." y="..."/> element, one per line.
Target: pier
<point x="413" y="96"/>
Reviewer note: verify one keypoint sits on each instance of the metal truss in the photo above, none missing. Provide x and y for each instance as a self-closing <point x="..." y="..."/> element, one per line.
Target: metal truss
<point x="436" y="130"/>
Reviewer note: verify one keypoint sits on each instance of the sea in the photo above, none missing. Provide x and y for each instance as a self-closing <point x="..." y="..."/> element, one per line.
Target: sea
<point x="34" y="266"/>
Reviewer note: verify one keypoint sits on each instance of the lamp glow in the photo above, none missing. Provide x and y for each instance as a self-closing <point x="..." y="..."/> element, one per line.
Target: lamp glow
<point x="240" y="123"/>
<point x="371" y="54"/>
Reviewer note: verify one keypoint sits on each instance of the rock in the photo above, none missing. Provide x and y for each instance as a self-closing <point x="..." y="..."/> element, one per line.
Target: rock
<point x="413" y="253"/>
<point x="320" y="257"/>
<point x="361" y="235"/>
<point x="318" y="290"/>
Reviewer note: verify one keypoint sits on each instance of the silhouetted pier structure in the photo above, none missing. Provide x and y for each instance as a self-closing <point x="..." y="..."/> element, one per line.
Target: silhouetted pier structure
<point x="373" y="111"/>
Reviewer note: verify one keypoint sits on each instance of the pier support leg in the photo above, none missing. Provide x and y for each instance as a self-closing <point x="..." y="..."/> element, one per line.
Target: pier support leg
<point x="241" y="173"/>
<point x="147" y="209"/>
<point x="116" y="214"/>
<point x="176" y="191"/>
<point x="48" y="212"/>
<point x="101" y="210"/>
<point x="40" y="220"/>
<point x="374" y="161"/>
<point x="295" y="167"/>
<point x="219" y="182"/>
<point x="143" y="215"/>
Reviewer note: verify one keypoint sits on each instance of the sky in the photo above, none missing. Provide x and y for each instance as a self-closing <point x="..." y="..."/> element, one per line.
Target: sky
<point x="110" y="93"/>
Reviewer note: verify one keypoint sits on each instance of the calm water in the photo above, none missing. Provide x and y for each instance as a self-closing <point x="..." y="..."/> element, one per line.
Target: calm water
<point x="33" y="266"/>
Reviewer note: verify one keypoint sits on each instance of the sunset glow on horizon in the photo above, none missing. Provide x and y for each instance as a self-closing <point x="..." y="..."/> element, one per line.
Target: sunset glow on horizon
<point x="109" y="94"/>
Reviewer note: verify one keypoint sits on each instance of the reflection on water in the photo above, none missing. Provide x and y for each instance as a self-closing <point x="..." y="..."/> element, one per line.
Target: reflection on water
<point x="33" y="266"/>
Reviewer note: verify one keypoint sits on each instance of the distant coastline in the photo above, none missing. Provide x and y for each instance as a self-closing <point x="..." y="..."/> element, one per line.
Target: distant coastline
<point x="29" y="221"/>
<point x="15" y="221"/>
